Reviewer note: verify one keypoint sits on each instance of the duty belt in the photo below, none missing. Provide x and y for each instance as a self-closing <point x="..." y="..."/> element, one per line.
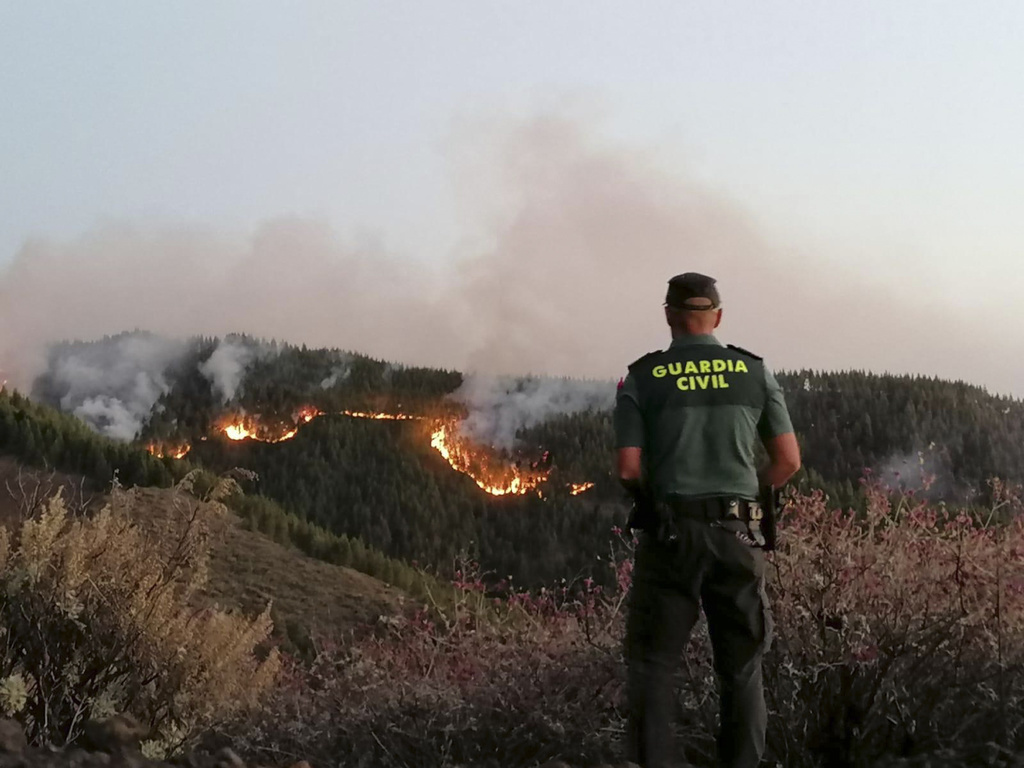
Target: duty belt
<point x="742" y="516"/>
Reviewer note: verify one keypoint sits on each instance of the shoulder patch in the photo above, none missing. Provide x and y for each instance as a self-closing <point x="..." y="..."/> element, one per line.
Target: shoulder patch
<point x="743" y="351"/>
<point x="644" y="358"/>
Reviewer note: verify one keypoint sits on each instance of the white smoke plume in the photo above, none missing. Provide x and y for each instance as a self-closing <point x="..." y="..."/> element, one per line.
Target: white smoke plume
<point x="226" y="366"/>
<point x="568" y="246"/>
<point x="500" y="406"/>
<point x="926" y="472"/>
<point x="339" y="373"/>
<point x="112" y="385"/>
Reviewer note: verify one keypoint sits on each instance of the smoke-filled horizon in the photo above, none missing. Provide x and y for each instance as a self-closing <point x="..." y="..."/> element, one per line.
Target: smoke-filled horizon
<point x="568" y="246"/>
<point x="115" y="384"/>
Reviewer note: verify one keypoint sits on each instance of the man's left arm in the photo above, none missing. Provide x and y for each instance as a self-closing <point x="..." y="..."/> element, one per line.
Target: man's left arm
<point x="775" y="429"/>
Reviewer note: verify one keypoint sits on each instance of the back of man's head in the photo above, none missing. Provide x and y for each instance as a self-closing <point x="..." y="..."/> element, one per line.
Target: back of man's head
<point x="692" y="304"/>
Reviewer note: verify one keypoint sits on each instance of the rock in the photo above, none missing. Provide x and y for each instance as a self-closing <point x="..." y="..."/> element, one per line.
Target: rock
<point x="227" y="758"/>
<point x="115" y="734"/>
<point x="300" y="764"/>
<point x="12" y="737"/>
<point x="556" y="764"/>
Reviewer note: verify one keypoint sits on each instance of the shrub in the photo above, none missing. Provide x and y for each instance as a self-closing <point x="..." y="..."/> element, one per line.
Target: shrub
<point x="899" y="631"/>
<point x="526" y="676"/>
<point x="98" y="616"/>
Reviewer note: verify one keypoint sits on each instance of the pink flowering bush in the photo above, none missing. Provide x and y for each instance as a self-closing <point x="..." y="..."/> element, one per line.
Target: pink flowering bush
<point x="478" y="680"/>
<point x="899" y="630"/>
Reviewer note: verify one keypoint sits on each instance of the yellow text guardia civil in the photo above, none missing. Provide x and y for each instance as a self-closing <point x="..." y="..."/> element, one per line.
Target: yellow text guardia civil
<point x="703" y="374"/>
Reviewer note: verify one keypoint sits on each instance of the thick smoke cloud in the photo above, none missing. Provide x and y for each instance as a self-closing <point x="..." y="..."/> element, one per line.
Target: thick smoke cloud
<point x="292" y="280"/>
<point x="562" y="270"/>
<point x="112" y="385"/>
<point x="501" y="406"/>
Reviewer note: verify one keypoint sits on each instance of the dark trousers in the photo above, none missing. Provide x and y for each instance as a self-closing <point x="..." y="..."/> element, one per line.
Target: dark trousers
<point x="706" y="566"/>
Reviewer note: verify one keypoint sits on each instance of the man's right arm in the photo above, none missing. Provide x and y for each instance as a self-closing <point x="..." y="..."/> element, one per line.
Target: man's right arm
<point x="629" y="442"/>
<point x="776" y="431"/>
<point x="629" y="434"/>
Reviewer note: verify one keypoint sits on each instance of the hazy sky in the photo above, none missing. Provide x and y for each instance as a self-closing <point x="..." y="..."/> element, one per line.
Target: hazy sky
<point x="877" y="144"/>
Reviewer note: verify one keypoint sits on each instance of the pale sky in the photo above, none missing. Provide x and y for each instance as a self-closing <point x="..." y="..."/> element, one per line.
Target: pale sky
<point x="880" y="139"/>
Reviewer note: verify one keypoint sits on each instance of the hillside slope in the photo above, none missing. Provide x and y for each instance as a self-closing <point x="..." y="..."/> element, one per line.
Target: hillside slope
<point x="248" y="570"/>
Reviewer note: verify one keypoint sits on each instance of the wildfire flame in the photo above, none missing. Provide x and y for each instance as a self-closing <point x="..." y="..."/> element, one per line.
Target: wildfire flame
<point x="248" y="428"/>
<point x="462" y="458"/>
<point x="179" y="451"/>
<point x="488" y="471"/>
<point x="382" y="416"/>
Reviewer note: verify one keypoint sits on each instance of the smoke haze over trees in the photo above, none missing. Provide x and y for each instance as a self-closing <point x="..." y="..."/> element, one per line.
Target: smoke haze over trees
<point x="568" y="245"/>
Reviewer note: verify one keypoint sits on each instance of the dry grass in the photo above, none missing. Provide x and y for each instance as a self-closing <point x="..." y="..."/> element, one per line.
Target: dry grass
<point x="99" y="615"/>
<point x="247" y="569"/>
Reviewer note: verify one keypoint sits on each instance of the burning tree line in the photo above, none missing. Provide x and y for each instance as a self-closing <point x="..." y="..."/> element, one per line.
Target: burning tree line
<point x="491" y="472"/>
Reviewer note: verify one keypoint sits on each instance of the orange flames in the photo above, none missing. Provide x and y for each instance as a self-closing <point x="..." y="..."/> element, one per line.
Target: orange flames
<point x="249" y="428"/>
<point x="252" y="428"/>
<point x="382" y="416"/>
<point x="486" y="469"/>
<point x="175" y="451"/>
<point x="496" y="480"/>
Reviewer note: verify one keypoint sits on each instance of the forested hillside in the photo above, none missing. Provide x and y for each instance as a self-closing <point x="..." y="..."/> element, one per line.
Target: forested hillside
<point x="381" y="481"/>
<point x="39" y="437"/>
<point x="350" y="444"/>
<point x="852" y="421"/>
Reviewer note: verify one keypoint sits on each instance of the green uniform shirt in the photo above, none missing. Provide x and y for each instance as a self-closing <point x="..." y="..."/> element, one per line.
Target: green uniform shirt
<point x="697" y="410"/>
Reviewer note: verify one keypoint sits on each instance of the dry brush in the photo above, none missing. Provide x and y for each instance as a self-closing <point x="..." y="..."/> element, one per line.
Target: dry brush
<point x="100" y="615"/>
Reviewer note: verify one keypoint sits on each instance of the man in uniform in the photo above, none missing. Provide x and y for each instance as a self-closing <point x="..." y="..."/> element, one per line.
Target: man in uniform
<point x="687" y="420"/>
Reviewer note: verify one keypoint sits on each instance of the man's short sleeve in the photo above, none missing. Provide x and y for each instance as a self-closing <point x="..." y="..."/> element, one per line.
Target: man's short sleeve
<point x="629" y="421"/>
<point x="775" y="419"/>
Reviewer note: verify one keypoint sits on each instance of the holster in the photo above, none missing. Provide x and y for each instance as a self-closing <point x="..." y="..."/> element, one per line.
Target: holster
<point x="642" y="517"/>
<point x="771" y="505"/>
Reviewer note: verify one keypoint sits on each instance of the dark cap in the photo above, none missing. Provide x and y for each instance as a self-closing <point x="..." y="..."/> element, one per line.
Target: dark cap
<point x="692" y="291"/>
